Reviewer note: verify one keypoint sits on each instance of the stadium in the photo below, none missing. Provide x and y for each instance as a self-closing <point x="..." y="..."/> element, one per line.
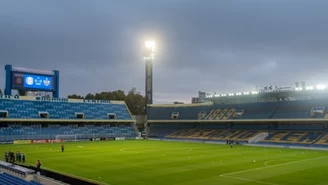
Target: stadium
<point x="271" y="136"/>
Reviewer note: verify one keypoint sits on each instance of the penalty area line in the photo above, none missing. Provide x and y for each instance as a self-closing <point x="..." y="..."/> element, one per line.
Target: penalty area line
<point x="228" y="175"/>
<point x="271" y="166"/>
<point x="266" y="163"/>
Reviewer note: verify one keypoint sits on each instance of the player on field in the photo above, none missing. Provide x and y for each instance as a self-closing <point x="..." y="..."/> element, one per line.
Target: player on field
<point x="62" y="147"/>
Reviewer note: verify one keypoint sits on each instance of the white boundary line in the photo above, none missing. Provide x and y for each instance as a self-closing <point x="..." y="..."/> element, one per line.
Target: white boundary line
<point x="266" y="163"/>
<point x="283" y="164"/>
<point x="189" y="149"/>
<point x="123" y="149"/>
<point x="249" y="180"/>
<point x="228" y="175"/>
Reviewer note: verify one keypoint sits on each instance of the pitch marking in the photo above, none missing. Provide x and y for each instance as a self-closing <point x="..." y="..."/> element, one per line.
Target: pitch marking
<point x="249" y="180"/>
<point x="228" y="175"/>
<point x="266" y="163"/>
<point x="123" y="149"/>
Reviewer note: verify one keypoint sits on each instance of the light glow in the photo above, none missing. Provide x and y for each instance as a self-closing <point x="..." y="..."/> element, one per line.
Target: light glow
<point x="321" y="87"/>
<point x="150" y="45"/>
<point x="307" y="88"/>
<point x="149" y="50"/>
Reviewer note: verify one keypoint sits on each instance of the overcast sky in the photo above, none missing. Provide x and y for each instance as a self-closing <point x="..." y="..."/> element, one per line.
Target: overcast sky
<point x="218" y="46"/>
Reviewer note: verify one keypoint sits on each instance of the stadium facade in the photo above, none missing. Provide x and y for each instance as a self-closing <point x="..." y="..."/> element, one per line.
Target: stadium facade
<point x="287" y="117"/>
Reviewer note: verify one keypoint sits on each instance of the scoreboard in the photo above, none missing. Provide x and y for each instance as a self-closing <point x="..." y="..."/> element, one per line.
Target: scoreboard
<point x="31" y="80"/>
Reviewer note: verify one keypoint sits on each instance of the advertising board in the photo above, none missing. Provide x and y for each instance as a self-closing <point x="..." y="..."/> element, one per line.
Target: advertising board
<point x="47" y="141"/>
<point x="22" y="142"/>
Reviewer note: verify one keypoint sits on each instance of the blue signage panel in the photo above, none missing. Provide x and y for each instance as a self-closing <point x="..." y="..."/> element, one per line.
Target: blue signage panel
<point x="31" y="79"/>
<point x="38" y="82"/>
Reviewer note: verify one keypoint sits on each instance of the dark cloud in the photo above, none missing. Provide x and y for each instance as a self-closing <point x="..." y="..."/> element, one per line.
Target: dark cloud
<point x="216" y="46"/>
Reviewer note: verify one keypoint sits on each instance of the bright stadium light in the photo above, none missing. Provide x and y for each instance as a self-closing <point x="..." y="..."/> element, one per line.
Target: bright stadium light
<point x="223" y="95"/>
<point x="150" y="45"/>
<point x="309" y="88"/>
<point x="255" y="92"/>
<point x="246" y="93"/>
<point x="238" y="94"/>
<point x="321" y="87"/>
<point x="149" y="50"/>
<point x="231" y="94"/>
<point x="298" y="88"/>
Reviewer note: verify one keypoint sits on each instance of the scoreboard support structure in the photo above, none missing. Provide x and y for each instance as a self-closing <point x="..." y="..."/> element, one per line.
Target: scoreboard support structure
<point x="31" y="79"/>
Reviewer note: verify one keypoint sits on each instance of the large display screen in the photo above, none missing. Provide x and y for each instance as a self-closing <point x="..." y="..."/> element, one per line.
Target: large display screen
<point x="31" y="81"/>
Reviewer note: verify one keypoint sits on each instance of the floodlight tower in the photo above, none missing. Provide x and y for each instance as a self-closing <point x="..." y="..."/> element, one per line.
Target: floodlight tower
<point x="149" y="52"/>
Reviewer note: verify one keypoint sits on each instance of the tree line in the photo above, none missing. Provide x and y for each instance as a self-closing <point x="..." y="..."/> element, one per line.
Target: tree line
<point x="135" y="102"/>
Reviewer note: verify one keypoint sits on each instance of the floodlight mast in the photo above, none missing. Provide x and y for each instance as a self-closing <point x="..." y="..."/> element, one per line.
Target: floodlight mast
<point x="149" y="51"/>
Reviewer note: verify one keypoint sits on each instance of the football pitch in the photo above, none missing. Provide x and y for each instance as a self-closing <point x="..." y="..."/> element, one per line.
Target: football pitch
<point x="145" y="162"/>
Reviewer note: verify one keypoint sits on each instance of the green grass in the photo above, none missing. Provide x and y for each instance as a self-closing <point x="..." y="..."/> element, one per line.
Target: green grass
<point x="180" y="163"/>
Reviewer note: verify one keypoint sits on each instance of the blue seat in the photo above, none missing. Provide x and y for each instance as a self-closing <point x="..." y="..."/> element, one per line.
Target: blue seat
<point x="7" y="179"/>
<point x="63" y="110"/>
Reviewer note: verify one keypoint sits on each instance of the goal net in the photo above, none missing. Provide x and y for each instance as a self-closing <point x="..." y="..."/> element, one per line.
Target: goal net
<point x="66" y="137"/>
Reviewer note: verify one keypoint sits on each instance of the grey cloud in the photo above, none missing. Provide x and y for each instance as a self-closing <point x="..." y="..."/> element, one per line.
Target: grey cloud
<point x="223" y="46"/>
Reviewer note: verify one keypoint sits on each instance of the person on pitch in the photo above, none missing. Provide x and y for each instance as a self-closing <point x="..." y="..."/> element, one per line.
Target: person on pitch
<point x="62" y="147"/>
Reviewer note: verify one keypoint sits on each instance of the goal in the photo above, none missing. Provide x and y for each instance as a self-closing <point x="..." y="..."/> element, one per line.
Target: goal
<point x="66" y="137"/>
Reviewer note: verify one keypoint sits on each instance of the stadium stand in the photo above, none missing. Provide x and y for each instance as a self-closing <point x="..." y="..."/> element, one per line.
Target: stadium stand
<point x="20" y="132"/>
<point x="211" y="134"/>
<point x="33" y="107"/>
<point x="268" y="110"/>
<point x="50" y="118"/>
<point x="6" y="179"/>
<point x="301" y="122"/>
